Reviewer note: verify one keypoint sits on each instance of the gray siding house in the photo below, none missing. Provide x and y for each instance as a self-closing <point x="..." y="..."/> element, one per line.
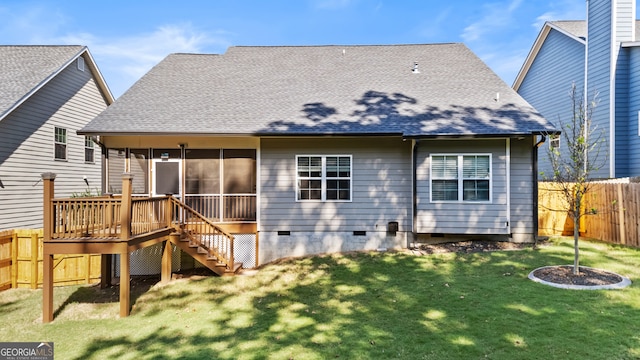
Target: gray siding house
<point x="47" y="93"/>
<point x="317" y="149"/>
<point x="602" y="57"/>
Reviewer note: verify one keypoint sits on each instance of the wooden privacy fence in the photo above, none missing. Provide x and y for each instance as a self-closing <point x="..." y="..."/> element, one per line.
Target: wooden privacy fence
<point x="614" y="207"/>
<point x="21" y="262"/>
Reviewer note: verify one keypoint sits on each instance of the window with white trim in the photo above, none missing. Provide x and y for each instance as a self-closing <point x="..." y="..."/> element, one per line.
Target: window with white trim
<point x="323" y="177"/>
<point x="88" y="150"/>
<point x="554" y="141"/>
<point x="460" y="178"/>
<point x="60" y="143"/>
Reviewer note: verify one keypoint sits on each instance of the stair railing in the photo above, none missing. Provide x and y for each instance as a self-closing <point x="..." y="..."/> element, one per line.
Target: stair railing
<point x="204" y="233"/>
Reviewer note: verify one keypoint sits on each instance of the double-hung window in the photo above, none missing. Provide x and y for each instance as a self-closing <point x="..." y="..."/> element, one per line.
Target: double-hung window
<point x="323" y="177"/>
<point x="88" y="150"/>
<point x="460" y="178"/>
<point x="60" y="143"/>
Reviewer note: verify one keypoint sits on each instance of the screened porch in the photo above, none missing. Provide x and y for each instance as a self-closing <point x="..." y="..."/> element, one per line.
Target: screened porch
<point x="220" y="184"/>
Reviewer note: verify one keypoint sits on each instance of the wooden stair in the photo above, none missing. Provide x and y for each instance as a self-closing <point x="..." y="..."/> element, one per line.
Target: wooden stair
<point x="201" y="254"/>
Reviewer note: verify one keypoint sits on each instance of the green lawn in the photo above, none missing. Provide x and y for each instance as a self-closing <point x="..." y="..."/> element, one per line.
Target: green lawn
<point x="353" y="306"/>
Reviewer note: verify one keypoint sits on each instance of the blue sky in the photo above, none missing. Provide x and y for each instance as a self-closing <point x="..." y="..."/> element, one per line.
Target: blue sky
<point x="128" y="37"/>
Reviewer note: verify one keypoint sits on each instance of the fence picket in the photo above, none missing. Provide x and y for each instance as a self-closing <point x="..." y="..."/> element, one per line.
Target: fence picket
<point x="616" y="205"/>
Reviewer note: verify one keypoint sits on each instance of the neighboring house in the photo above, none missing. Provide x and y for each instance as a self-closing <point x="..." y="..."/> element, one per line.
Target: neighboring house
<point x="47" y="93"/>
<point x="331" y="148"/>
<point x="601" y="52"/>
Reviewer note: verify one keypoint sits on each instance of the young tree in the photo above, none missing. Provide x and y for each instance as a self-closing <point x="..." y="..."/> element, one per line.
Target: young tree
<point x="575" y="160"/>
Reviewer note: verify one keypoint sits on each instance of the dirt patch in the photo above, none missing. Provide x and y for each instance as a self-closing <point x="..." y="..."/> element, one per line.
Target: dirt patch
<point x="472" y="246"/>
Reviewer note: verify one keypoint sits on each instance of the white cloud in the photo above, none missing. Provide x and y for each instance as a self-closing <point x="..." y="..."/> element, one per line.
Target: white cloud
<point x="495" y="16"/>
<point x="136" y="54"/>
<point x="122" y="60"/>
<point x="563" y="10"/>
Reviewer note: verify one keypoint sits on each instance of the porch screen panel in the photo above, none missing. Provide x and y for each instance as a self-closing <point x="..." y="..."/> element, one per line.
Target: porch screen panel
<point x="202" y="174"/>
<point x="115" y="169"/>
<point x="139" y="168"/>
<point x="202" y="181"/>
<point x="239" y="184"/>
<point x="239" y="171"/>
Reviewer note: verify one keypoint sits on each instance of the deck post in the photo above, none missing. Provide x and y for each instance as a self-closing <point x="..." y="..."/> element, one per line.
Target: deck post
<point x="125" y="209"/>
<point x="125" y="256"/>
<point x="125" y="283"/>
<point x="105" y="270"/>
<point x="47" y="263"/>
<point x="166" y="259"/>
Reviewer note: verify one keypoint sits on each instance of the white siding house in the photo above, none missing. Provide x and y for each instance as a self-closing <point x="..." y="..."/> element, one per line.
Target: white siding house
<point x="47" y="93"/>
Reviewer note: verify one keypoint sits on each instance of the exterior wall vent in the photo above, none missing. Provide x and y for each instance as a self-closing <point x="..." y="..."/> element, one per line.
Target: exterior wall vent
<point x="284" y="233"/>
<point x="359" y="233"/>
<point x="80" y="63"/>
<point x="415" y="69"/>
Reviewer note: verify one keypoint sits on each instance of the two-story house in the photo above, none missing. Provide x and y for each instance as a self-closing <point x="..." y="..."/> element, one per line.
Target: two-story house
<point x="47" y="93"/>
<point x="602" y="57"/>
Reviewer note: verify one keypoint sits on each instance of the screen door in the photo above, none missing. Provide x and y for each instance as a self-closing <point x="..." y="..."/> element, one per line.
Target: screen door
<point x="166" y="177"/>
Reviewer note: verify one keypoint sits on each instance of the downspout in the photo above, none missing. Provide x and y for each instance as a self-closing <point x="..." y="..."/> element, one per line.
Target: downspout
<point x="534" y="175"/>
<point x="414" y="165"/>
<point x="104" y="158"/>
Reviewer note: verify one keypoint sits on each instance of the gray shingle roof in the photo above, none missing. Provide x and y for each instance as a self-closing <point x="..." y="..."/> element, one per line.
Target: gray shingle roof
<point x="317" y="90"/>
<point x="578" y="28"/>
<point x="23" y="68"/>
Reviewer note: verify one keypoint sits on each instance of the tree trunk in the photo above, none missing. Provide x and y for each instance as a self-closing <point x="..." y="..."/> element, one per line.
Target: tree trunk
<point x="576" y="250"/>
<point x="577" y="210"/>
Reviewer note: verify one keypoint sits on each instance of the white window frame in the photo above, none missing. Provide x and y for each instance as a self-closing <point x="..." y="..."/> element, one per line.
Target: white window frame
<point x="63" y="142"/>
<point x="89" y="145"/>
<point x="460" y="178"/>
<point x="323" y="178"/>
<point x="554" y="141"/>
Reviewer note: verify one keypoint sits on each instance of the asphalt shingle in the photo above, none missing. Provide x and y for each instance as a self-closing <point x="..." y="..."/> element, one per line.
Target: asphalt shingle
<point x="319" y="90"/>
<point x="22" y="68"/>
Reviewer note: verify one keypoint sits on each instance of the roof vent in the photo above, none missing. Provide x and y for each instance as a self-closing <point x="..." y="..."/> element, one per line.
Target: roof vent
<point x="415" y="68"/>
<point x="80" y="63"/>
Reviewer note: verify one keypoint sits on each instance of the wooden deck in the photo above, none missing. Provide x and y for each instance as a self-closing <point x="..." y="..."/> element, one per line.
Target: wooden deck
<point x="121" y="225"/>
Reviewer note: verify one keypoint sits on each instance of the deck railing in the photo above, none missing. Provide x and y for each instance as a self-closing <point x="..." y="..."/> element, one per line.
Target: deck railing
<point x="96" y="217"/>
<point x="150" y="214"/>
<point x="236" y="207"/>
<point x="100" y="217"/>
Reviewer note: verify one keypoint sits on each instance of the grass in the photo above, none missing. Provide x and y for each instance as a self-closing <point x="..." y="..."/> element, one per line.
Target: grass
<point x="353" y="306"/>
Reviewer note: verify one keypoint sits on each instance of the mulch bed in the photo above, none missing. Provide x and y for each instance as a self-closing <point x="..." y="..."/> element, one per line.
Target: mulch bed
<point x="563" y="274"/>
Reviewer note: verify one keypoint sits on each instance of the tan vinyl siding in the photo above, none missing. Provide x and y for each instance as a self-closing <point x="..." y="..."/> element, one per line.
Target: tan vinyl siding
<point x="69" y="101"/>
<point x="381" y="189"/>
<point x="462" y="217"/>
